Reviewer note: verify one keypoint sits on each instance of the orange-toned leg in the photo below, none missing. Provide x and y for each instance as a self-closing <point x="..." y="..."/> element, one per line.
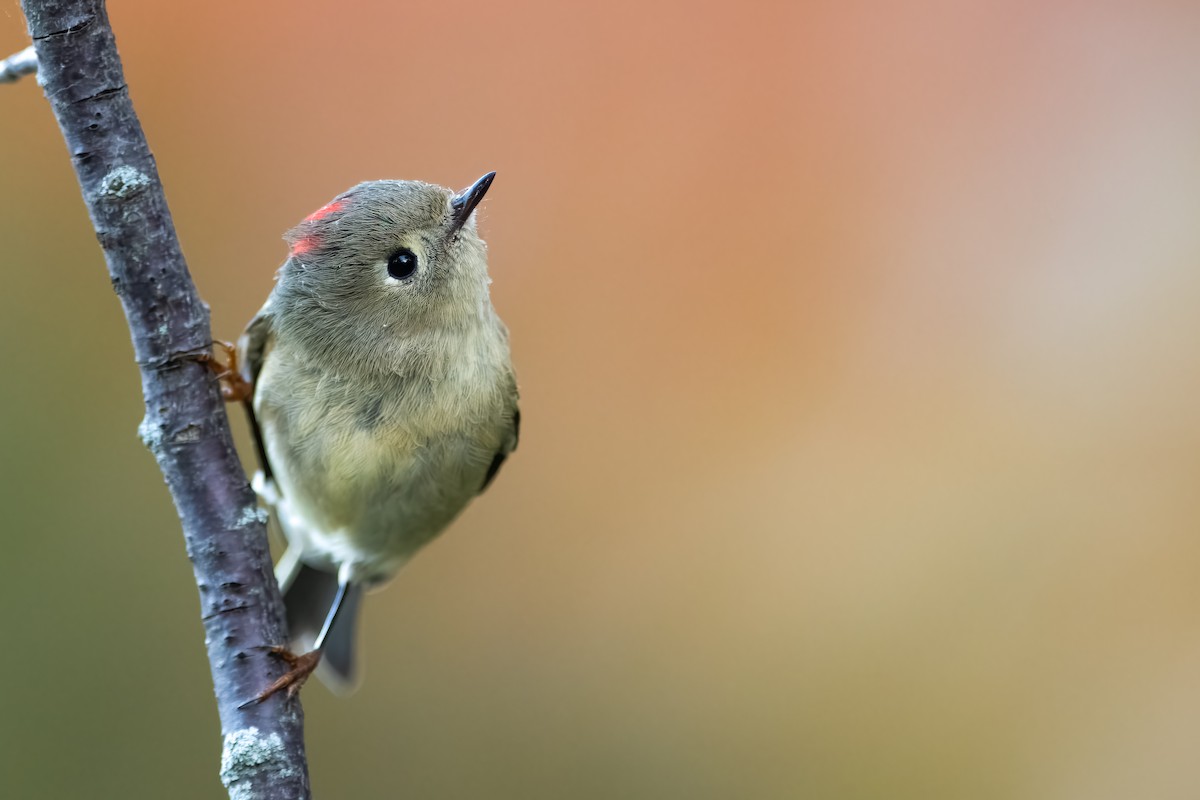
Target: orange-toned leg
<point x="301" y="667"/>
<point x="234" y="388"/>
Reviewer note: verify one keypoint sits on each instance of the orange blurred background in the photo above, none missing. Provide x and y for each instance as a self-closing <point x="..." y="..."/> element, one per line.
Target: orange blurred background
<point x="858" y="353"/>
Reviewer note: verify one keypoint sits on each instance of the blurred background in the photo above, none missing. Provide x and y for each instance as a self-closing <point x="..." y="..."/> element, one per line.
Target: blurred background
<point x="858" y="353"/>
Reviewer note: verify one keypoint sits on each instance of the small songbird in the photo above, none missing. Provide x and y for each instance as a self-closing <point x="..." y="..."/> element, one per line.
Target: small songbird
<point x="382" y="399"/>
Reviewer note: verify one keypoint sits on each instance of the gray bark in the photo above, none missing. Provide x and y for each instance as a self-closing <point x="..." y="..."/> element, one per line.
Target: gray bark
<point x="18" y="65"/>
<point x="185" y="424"/>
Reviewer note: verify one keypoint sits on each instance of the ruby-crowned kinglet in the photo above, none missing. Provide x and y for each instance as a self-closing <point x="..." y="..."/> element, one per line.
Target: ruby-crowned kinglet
<point x="383" y="399"/>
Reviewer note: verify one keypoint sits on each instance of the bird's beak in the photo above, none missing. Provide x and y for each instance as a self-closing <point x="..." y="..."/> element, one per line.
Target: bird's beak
<point x="463" y="203"/>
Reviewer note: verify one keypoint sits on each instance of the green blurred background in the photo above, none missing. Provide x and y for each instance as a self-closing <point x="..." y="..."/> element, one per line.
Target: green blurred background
<point x="858" y="352"/>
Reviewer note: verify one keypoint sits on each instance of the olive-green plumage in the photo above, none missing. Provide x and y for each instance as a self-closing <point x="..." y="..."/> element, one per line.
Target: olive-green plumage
<point x="385" y="399"/>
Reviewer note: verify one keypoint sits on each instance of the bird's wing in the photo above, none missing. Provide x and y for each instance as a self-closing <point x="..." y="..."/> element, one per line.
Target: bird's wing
<point x="253" y="348"/>
<point x="510" y="442"/>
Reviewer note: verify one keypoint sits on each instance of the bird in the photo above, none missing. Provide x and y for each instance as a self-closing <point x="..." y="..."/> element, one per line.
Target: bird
<point x="381" y="395"/>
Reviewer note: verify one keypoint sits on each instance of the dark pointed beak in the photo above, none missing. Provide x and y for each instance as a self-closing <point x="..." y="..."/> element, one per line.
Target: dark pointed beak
<point x="463" y="203"/>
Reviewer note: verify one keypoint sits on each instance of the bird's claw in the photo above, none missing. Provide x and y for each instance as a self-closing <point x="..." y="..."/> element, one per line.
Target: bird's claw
<point x="234" y="388"/>
<point x="301" y="667"/>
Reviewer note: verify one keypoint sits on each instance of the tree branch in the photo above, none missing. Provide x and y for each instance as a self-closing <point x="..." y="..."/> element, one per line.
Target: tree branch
<point x="18" y="65"/>
<point x="185" y="424"/>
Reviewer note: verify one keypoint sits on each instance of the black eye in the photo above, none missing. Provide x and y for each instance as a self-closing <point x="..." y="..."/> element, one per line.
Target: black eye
<point x="402" y="264"/>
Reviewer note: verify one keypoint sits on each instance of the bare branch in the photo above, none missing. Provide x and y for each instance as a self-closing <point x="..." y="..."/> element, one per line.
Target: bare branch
<point x="185" y="424"/>
<point x="18" y="65"/>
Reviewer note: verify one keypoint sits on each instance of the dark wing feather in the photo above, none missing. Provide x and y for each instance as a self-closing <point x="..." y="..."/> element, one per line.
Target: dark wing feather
<point x="510" y="445"/>
<point x="252" y="351"/>
<point x="493" y="468"/>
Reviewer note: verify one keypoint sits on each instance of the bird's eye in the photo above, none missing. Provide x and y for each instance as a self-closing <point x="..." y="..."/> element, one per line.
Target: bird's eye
<point x="402" y="264"/>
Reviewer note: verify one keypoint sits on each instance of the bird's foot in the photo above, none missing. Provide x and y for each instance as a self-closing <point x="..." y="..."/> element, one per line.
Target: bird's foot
<point x="301" y="667"/>
<point x="234" y="388"/>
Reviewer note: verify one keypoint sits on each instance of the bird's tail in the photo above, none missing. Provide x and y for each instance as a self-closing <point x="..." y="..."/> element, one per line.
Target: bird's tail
<point x="308" y="595"/>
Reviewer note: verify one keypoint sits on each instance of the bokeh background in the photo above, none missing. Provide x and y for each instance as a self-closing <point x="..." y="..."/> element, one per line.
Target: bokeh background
<point x="859" y="347"/>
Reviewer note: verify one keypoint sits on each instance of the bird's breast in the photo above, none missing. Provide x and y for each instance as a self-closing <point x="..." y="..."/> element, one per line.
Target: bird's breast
<point x="374" y="468"/>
